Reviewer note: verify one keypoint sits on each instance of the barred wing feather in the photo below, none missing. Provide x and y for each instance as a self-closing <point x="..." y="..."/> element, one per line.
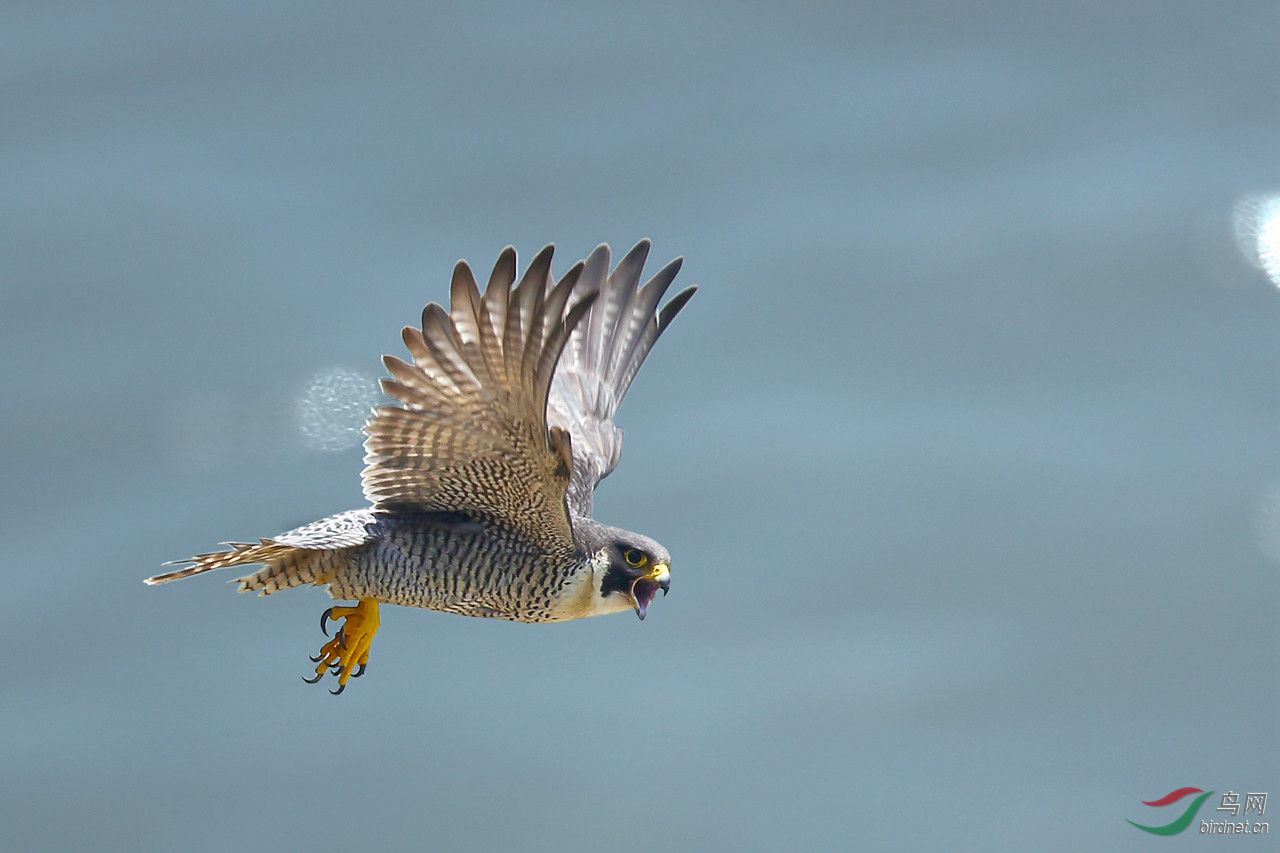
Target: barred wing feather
<point x="471" y="434"/>
<point x="604" y="352"/>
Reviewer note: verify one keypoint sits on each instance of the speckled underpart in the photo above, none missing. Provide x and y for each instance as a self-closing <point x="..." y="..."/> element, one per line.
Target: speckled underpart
<point x="463" y="566"/>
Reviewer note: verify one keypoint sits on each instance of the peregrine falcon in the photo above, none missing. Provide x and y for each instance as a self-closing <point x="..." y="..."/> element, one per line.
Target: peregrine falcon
<point x="481" y="479"/>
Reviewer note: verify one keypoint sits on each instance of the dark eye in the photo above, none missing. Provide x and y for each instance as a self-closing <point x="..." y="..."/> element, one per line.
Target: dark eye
<point x="635" y="559"/>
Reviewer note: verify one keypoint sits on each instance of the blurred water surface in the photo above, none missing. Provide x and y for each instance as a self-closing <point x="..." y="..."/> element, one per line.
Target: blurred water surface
<point x="966" y="451"/>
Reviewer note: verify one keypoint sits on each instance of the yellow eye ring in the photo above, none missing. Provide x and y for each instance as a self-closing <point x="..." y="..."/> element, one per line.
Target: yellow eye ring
<point x="635" y="559"/>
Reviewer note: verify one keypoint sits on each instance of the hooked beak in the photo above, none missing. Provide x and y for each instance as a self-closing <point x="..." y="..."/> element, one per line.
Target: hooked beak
<point x="645" y="588"/>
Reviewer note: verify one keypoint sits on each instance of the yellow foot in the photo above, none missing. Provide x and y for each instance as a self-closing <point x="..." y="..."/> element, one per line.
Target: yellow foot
<point x="350" y="646"/>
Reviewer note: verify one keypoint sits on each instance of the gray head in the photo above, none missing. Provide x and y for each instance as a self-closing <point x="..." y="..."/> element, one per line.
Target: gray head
<point x="630" y="567"/>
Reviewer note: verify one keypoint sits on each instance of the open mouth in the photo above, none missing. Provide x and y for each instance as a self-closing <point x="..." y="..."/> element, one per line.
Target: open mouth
<point x="644" y="590"/>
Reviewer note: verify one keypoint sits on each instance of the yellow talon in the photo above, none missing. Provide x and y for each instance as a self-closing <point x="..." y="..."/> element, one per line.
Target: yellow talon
<point x="349" y="648"/>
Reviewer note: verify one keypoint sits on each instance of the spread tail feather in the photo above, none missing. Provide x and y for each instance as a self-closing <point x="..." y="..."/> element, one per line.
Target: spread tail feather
<point x="309" y="554"/>
<point x="284" y="566"/>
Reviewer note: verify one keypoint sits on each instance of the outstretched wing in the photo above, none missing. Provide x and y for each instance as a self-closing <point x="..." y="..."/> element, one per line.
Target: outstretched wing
<point x="472" y="435"/>
<point x="605" y="350"/>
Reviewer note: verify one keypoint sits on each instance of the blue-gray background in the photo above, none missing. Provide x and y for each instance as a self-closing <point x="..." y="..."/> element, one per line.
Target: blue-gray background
<point x="967" y="451"/>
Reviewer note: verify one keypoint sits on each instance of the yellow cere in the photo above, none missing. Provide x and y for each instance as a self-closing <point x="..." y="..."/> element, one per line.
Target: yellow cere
<point x="658" y="570"/>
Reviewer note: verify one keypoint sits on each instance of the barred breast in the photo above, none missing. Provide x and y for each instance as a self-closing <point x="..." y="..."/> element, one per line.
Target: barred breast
<point x="445" y="561"/>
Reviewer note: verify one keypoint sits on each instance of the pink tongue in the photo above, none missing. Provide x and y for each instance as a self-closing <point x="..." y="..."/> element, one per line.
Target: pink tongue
<point x="643" y="592"/>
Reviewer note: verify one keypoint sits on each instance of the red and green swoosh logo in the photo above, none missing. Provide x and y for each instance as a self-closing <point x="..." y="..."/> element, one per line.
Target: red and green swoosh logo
<point x="1184" y="820"/>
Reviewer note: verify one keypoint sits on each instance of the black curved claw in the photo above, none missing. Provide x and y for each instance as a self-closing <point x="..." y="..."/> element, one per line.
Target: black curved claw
<point x="324" y="619"/>
<point x="336" y="669"/>
<point x="359" y="672"/>
<point x="316" y="659"/>
<point x="338" y="692"/>
<point x="319" y="675"/>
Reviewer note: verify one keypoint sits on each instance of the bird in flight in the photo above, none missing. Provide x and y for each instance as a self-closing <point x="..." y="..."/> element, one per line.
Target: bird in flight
<point x="481" y="479"/>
